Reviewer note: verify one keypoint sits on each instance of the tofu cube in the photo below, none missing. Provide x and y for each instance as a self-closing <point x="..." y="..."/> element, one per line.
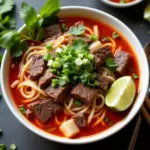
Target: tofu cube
<point x="69" y="128"/>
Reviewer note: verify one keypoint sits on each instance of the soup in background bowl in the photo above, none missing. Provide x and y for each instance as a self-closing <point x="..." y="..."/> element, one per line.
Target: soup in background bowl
<point x="75" y="119"/>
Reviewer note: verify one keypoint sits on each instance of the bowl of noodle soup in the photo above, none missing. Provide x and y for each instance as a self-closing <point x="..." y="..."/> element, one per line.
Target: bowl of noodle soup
<point x="95" y="111"/>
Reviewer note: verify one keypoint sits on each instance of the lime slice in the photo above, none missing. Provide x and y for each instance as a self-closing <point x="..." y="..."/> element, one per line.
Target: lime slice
<point x="147" y="13"/>
<point x="121" y="94"/>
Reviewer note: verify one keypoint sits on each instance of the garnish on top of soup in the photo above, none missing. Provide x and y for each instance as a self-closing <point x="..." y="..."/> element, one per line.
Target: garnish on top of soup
<point x="64" y="72"/>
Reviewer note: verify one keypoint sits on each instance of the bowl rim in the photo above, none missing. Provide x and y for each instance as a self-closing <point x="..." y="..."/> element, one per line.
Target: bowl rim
<point x="118" y="5"/>
<point x="114" y="129"/>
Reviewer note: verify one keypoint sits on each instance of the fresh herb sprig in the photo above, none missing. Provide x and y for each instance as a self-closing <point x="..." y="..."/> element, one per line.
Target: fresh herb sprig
<point x="17" y="42"/>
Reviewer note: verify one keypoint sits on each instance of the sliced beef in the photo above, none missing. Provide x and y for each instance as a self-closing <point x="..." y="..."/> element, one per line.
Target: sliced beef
<point x="53" y="31"/>
<point x="105" y="82"/>
<point x="38" y="67"/>
<point x="98" y="62"/>
<point x="103" y="53"/>
<point x="46" y="79"/>
<point x="122" y="58"/>
<point x="45" y="109"/>
<point x="84" y="93"/>
<point x="72" y="38"/>
<point x="80" y="120"/>
<point x="59" y="94"/>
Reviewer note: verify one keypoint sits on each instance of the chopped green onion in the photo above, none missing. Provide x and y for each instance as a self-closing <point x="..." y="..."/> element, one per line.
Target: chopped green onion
<point x="105" y="39"/>
<point x="47" y="56"/>
<point x="107" y="119"/>
<point x="65" y="78"/>
<point x="78" y="103"/>
<point x="115" y="35"/>
<point x="80" y="55"/>
<point x="64" y="27"/>
<point x="85" y="61"/>
<point x="2" y="147"/>
<point x="135" y="76"/>
<point x="49" y="46"/>
<point x="94" y="37"/>
<point x="50" y="63"/>
<point x="78" y="62"/>
<point x="54" y="82"/>
<point x="13" y="146"/>
<point x="90" y="56"/>
<point x="58" y="50"/>
<point x="56" y="64"/>
<point x="22" y="109"/>
<point x="54" y="71"/>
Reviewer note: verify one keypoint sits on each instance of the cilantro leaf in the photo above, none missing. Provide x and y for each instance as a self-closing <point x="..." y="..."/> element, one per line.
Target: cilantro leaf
<point x="11" y="24"/>
<point x="6" y="6"/>
<point x="1" y="2"/>
<point x="79" y="45"/>
<point x="78" y="30"/>
<point x="29" y="15"/>
<point x="110" y="64"/>
<point x="18" y="49"/>
<point x="135" y="76"/>
<point x="1" y="57"/>
<point x="50" y="8"/>
<point x="9" y="39"/>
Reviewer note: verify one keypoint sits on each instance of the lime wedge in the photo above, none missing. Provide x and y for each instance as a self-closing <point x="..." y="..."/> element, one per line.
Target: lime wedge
<point x="147" y="13"/>
<point x="121" y="94"/>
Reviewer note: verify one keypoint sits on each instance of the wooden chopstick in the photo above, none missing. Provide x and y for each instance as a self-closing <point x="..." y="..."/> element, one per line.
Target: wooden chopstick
<point x="145" y="114"/>
<point x="135" y="133"/>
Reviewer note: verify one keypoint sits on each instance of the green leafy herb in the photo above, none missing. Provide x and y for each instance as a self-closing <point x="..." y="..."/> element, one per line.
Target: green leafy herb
<point x="105" y="39"/>
<point x="2" y="147"/>
<point x="115" y="35"/>
<point x="135" y="76"/>
<point x="54" y="82"/>
<point x="6" y="6"/>
<point x="78" y="103"/>
<point x="94" y="37"/>
<point x="50" y="8"/>
<point x="80" y="45"/>
<point x="22" y="109"/>
<point x="49" y="46"/>
<point x="1" y="57"/>
<point x="78" y="30"/>
<point x="9" y="39"/>
<point x="29" y="15"/>
<point x="107" y="119"/>
<point x="1" y="2"/>
<point x="64" y="27"/>
<point x="110" y="64"/>
<point x="13" y="146"/>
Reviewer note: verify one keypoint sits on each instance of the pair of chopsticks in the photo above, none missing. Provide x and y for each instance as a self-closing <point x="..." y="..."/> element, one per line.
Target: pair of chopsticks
<point x="145" y="109"/>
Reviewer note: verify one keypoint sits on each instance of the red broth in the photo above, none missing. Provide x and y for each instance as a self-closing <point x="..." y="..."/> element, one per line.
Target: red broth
<point x="115" y="117"/>
<point x="119" y="1"/>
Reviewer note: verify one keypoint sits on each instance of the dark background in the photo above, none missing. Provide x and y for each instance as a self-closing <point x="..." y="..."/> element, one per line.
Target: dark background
<point x="15" y="132"/>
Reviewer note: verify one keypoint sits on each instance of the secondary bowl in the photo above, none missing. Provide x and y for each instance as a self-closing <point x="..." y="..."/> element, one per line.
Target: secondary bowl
<point x="118" y="5"/>
<point x="76" y="11"/>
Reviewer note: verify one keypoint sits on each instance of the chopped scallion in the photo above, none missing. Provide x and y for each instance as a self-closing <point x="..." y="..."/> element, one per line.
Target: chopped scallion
<point x="105" y="39"/>
<point x="94" y="37"/>
<point x="50" y="63"/>
<point x="56" y="64"/>
<point x="22" y="109"/>
<point x="115" y="35"/>
<point x="13" y="146"/>
<point x="64" y="27"/>
<point x="54" y="82"/>
<point x="77" y="103"/>
<point x="49" y="46"/>
<point x="47" y="56"/>
<point x="135" y="76"/>
<point x="2" y="147"/>
<point x="78" y="62"/>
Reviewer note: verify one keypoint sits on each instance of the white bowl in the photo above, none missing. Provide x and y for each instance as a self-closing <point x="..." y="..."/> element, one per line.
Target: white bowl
<point x="144" y="76"/>
<point x="117" y="5"/>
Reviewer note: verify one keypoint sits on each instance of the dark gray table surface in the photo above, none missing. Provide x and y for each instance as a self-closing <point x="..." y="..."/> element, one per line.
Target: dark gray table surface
<point x="15" y="132"/>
